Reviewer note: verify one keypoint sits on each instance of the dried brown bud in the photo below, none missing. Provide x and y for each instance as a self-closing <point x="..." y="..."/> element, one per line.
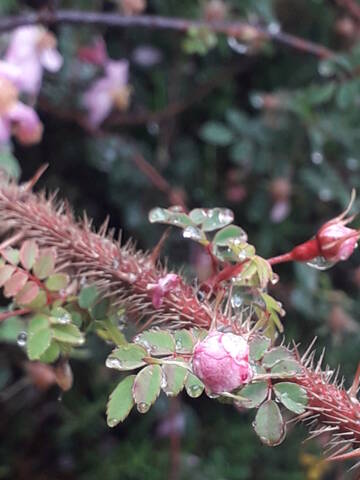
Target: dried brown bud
<point x="42" y="376"/>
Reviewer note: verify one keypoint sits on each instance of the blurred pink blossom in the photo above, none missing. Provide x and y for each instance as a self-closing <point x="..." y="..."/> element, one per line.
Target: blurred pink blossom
<point x="221" y="361"/>
<point x="31" y="50"/>
<point x="109" y="91"/>
<point x="16" y="117"/>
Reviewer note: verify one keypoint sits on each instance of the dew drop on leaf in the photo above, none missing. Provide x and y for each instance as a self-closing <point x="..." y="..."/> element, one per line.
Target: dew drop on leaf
<point x="193" y="233"/>
<point x="112" y="362"/>
<point x="143" y="407"/>
<point x="21" y="339"/>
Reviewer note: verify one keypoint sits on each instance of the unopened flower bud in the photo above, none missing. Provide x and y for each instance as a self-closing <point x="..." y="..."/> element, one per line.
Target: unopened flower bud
<point x="221" y="361"/>
<point x="336" y="241"/>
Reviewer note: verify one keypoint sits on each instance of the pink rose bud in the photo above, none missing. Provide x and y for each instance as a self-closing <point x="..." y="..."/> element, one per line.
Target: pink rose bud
<point x="221" y="361"/>
<point x="336" y="241"/>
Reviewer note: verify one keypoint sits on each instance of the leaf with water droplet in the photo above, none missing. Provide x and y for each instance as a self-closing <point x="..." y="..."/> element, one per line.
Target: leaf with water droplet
<point x="274" y="356"/>
<point x="253" y="395"/>
<point x="184" y="341"/>
<point x="258" y="347"/>
<point x="57" y="282"/>
<point x="27" y="294"/>
<point x="174" y="379"/>
<point x="45" y="264"/>
<point x="120" y="402"/>
<point x="127" y="357"/>
<point x="292" y="396"/>
<point x="193" y="386"/>
<point x="147" y="386"/>
<point x="286" y="367"/>
<point x="60" y="316"/>
<point x="217" y="218"/>
<point x="198" y="215"/>
<point x="195" y="234"/>
<point x="170" y="217"/>
<point x="158" y="215"/>
<point x="88" y="297"/>
<point x="39" y="337"/>
<point x="28" y="254"/>
<point x="158" y="342"/>
<point x="68" y="334"/>
<point x="269" y="424"/>
<point x="229" y="234"/>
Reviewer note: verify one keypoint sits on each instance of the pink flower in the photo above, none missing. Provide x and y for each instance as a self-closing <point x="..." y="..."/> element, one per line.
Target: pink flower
<point x="108" y="92"/>
<point x="221" y="361"/>
<point x="16" y="117"/>
<point x="32" y="49"/>
<point x="162" y="288"/>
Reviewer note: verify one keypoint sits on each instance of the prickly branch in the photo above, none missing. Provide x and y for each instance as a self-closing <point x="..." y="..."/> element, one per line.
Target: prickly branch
<point x="124" y="274"/>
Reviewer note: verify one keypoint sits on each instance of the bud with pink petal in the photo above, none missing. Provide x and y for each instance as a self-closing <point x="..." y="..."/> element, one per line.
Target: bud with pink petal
<point x="221" y="361"/>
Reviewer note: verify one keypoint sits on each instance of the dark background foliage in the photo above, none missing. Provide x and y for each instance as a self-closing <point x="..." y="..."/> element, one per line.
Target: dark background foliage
<point x="241" y="130"/>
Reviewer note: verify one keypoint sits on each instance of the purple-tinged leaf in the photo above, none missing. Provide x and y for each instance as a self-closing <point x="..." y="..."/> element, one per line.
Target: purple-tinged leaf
<point x="15" y="284"/>
<point x="27" y="294"/>
<point x="5" y="273"/>
<point x="45" y="264"/>
<point x="29" y="252"/>
<point x="146" y="387"/>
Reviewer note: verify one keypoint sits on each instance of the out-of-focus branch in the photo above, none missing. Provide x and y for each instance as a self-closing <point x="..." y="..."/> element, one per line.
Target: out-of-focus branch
<point x="239" y="29"/>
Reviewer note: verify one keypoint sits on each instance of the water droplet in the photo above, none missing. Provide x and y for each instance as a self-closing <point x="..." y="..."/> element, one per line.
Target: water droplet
<point x="274" y="279"/>
<point x="237" y="46"/>
<point x="82" y="281"/>
<point x="112" y="422"/>
<point x="176" y="208"/>
<point x="194" y="388"/>
<point x="21" y="339"/>
<point x="320" y="263"/>
<point x="317" y="158"/>
<point x="212" y="395"/>
<point x="274" y="28"/>
<point x="236" y="300"/>
<point x="178" y="344"/>
<point x="143" y="407"/>
<point x="352" y="163"/>
<point x="256" y="100"/>
<point x="158" y="215"/>
<point x="112" y="362"/>
<point x="153" y="128"/>
<point x="325" y="68"/>
<point x="325" y="194"/>
<point x="200" y="295"/>
<point x="193" y="233"/>
<point x="226" y="216"/>
<point x="163" y="383"/>
<point x="60" y="397"/>
<point x="64" y="319"/>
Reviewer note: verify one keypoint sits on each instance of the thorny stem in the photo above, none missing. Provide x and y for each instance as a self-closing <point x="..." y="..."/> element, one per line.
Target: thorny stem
<point x="235" y="29"/>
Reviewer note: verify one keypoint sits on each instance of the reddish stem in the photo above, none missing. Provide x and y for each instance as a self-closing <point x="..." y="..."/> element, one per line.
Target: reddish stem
<point x="286" y="257"/>
<point x="14" y="313"/>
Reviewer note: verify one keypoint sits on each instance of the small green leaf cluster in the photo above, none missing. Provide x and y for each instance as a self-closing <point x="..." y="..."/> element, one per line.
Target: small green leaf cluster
<point x="273" y="367"/>
<point x="162" y="359"/>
